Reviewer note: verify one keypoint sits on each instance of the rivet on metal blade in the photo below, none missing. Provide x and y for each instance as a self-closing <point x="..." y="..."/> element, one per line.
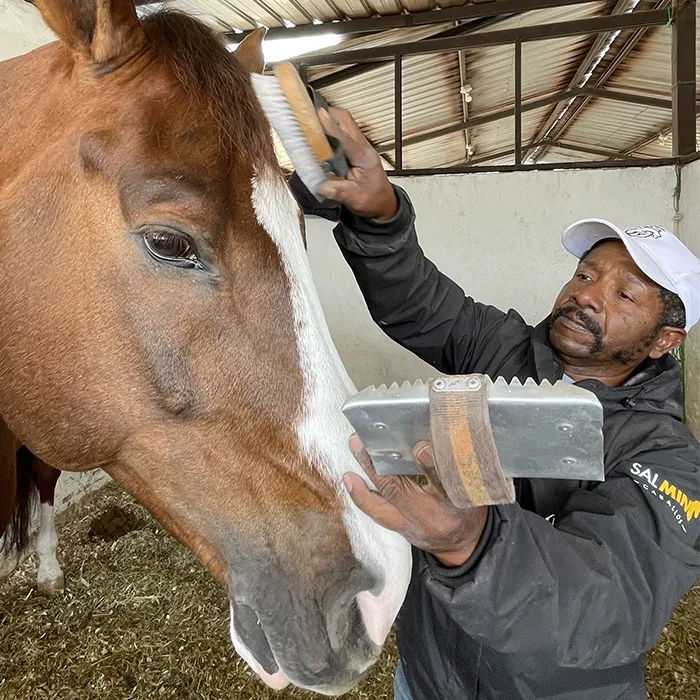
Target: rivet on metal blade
<point x="565" y="427"/>
<point x="473" y="383"/>
<point x="569" y="460"/>
<point x="439" y="384"/>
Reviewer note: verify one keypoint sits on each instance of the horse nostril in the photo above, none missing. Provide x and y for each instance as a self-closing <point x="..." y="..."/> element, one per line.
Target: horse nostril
<point x="247" y="624"/>
<point x="344" y="617"/>
<point x="341" y="622"/>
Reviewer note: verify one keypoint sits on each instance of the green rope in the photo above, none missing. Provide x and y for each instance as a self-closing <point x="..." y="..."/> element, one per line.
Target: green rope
<point x="670" y="18"/>
<point x="677" y="190"/>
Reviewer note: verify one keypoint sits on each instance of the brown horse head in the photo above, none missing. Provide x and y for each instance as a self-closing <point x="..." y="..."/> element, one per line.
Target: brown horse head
<point x="159" y="320"/>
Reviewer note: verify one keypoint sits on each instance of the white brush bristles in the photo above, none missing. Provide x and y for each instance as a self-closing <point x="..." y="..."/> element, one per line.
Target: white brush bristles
<point x="283" y="121"/>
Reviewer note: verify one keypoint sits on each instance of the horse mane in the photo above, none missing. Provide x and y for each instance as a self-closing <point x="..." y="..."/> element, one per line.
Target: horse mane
<point x="207" y="70"/>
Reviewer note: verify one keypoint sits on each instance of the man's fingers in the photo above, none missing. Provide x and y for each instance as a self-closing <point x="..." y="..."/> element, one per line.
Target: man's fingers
<point x="340" y="190"/>
<point x="362" y="456"/>
<point x="425" y="458"/>
<point x="354" y="148"/>
<point x="372" y="504"/>
<point x="346" y="122"/>
<point x="423" y="454"/>
<point x="394" y="489"/>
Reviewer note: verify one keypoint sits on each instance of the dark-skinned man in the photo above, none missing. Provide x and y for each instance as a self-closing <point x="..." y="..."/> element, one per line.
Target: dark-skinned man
<point x="560" y="595"/>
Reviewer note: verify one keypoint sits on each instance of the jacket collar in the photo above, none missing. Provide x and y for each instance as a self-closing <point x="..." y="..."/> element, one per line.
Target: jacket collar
<point x="656" y="384"/>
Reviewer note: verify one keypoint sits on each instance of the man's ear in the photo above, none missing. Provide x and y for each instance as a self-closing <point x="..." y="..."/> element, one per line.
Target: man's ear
<point x="250" y="53"/>
<point x="105" y="32"/>
<point x="667" y="339"/>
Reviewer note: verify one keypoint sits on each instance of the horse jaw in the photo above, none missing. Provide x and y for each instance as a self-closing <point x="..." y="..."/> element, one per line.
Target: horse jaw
<point x="324" y="432"/>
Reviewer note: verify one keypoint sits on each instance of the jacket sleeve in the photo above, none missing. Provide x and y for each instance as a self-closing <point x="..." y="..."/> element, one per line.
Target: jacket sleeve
<point x="595" y="588"/>
<point x="416" y="305"/>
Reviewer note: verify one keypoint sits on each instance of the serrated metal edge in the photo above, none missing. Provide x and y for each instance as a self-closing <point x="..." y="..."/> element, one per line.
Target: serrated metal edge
<point x="419" y="388"/>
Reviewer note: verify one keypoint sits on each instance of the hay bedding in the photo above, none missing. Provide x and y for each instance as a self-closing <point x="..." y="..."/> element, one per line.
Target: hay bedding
<point x="141" y="620"/>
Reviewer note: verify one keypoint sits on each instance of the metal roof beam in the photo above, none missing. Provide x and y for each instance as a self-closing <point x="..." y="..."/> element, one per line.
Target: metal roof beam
<point x="581" y="148"/>
<point x="373" y="25"/>
<point x="552" y="30"/>
<point x="529" y="106"/>
<point x="576" y="165"/>
<point x="362" y="68"/>
<point x="684" y="78"/>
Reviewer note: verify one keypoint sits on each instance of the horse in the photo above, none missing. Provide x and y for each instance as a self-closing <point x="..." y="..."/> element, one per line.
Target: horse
<point x="159" y="321"/>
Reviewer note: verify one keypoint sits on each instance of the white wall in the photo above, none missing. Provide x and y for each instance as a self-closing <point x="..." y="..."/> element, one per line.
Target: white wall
<point x="496" y="234"/>
<point x="21" y="28"/>
<point x="690" y="233"/>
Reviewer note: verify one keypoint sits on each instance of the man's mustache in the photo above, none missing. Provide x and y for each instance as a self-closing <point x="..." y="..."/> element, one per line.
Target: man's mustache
<point x="575" y="314"/>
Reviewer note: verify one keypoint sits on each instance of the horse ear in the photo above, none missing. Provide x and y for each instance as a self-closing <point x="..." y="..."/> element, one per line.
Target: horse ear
<point x="106" y="32"/>
<point x="250" y="53"/>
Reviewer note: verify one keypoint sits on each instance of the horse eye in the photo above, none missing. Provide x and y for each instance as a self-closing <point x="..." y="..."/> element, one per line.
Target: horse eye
<point x="172" y="248"/>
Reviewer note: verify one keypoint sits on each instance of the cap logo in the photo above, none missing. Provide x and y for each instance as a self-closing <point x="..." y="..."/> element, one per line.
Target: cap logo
<point x="645" y="232"/>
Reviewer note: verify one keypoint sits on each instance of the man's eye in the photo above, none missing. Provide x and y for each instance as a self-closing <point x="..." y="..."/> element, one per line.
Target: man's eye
<point x="625" y="296"/>
<point x="583" y="276"/>
<point x="172" y="248"/>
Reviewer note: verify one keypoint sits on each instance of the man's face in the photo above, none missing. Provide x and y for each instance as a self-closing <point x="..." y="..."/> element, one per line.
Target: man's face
<point x="609" y="312"/>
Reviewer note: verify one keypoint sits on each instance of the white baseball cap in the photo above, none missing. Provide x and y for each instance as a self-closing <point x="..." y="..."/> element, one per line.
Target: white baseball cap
<point x="657" y="253"/>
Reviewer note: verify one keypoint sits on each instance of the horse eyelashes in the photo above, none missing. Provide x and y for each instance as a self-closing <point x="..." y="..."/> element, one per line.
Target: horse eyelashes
<point x="173" y="248"/>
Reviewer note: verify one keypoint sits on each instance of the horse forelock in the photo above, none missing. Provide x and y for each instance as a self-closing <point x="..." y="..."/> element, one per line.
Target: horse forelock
<point x="211" y="74"/>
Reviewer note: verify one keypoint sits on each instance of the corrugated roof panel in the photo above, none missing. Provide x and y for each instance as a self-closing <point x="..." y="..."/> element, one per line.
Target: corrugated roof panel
<point x="616" y="125"/>
<point x="496" y="137"/>
<point x="356" y="9"/>
<point x="436" y="153"/>
<point x="431" y="97"/>
<point x="370" y="99"/>
<point x="547" y="68"/>
<point x="619" y="126"/>
<point x="658" y="148"/>
<point x="647" y="70"/>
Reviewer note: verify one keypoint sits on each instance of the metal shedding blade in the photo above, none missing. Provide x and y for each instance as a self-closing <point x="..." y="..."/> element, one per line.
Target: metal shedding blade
<point x="541" y="431"/>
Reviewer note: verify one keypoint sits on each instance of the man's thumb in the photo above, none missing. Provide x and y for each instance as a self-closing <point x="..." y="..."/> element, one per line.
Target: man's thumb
<point x="423" y="454"/>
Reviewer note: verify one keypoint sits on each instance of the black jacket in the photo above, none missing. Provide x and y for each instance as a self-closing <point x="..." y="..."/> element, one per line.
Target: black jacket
<point x="570" y="587"/>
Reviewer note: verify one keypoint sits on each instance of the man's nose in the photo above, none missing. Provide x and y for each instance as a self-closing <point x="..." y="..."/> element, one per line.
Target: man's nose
<point x="591" y="296"/>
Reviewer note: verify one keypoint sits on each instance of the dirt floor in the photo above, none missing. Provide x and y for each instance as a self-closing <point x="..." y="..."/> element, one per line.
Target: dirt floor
<point x="141" y="620"/>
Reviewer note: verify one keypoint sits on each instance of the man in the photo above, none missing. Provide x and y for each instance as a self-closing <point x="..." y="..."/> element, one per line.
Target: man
<point x="560" y="595"/>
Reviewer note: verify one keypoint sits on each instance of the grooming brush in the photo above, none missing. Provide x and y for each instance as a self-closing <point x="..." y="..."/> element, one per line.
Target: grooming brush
<point x="290" y="107"/>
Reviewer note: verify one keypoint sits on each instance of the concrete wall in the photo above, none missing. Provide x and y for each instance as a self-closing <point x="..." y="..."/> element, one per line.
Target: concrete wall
<point x="690" y="233"/>
<point x="498" y="235"/>
<point x="21" y="28"/>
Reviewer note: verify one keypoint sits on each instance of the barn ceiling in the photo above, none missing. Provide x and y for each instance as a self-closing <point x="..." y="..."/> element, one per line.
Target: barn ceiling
<point x="442" y="90"/>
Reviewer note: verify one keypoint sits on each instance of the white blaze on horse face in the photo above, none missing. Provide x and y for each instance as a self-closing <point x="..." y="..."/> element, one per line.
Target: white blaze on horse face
<point x="50" y="576"/>
<point x="324" y="431"/>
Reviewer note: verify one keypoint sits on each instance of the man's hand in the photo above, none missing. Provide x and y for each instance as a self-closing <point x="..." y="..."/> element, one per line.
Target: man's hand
<point x="366" y="190"/>
<point x="424" y="516"/>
